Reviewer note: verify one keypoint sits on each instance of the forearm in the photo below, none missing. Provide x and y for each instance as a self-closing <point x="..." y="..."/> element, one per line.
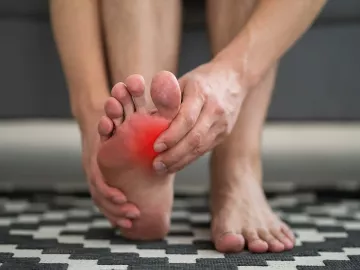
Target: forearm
<point x="272" y="29"/>
<point x="78" y="38"/>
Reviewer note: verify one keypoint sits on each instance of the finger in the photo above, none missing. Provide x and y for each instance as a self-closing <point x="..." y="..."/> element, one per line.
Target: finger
<point x="188" y="159"/>
<point x="126" y="210"/>
<point x="117" y="222"/>
<point x="124" y="223"/>
<point x="193" y="102"/>
<point x="193" y="145"/>
<point x="106" y="213"/>
<point x="216" y="135"/>
<point x="110" y="214"/>
<point x="106" y="191"/>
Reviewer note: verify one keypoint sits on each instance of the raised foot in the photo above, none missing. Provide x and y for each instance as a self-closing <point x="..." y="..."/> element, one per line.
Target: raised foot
<point x="128" y="133"/>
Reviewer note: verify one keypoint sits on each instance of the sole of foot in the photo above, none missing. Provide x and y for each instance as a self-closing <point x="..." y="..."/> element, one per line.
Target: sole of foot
<point x="128" y="131"/>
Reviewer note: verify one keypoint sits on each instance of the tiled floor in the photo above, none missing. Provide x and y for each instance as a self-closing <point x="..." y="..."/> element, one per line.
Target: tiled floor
<point x="65" y="231"/>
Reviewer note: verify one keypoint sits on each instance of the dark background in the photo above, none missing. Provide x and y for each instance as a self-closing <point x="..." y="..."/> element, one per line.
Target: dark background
<point x="318" y="78"/>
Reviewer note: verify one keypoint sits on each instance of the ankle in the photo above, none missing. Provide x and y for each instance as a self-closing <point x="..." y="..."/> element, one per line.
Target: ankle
<point x="241" y="162"/>
<point x="225" y="154"/>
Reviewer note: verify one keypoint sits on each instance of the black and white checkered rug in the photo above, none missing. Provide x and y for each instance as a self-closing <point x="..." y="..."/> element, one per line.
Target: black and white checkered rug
<point x="65" y="231"/>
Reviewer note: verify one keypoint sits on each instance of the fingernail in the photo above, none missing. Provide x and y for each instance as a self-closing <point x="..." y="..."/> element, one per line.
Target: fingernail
<point x="124" y="223"/>
<point x="159" y="166"/>
<point x="160" y="147"/>
<point x="132" y="215"/>
<point x="119" y="200"/>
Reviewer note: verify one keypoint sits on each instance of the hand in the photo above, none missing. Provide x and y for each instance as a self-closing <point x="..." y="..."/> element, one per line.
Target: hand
<point x="212" y="97"/>
<point x="111" y="201"/>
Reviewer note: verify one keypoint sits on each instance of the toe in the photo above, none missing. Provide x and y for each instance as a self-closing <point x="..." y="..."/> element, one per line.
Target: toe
<point x="254" y="243"/>
<point x="288" y="244"/>
<point x="136" y="86"/>
<point x="274" y="244"/>
<point x="223" y="234"/>
<point x="105" y="127"/>
<point x="121" y="94"/>
<point x="288" y="232"/>
<point x="114" y="111"/>
<point x="166" y="95"/>
<point x="229" y="242"/>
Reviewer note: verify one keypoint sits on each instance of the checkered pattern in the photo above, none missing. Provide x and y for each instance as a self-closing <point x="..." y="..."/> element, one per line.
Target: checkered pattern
<point x="57" y="231"/>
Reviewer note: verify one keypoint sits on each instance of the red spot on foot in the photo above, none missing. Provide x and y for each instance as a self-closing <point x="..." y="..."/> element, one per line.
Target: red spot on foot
<point x="146" y="129"/>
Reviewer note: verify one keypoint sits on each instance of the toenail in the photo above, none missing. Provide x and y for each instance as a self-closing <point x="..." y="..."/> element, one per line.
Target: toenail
<point x="159" y="166"/>
<point x="160" y="147"/>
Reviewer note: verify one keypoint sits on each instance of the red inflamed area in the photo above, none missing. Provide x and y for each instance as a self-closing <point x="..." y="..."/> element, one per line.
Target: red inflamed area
<point x="146" y="130"/>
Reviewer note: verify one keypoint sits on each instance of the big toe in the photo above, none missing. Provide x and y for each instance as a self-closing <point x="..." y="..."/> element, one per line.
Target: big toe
<point x="166" y="94"/>
<point x="224" y="237"/>
<point x="229" y="242"/>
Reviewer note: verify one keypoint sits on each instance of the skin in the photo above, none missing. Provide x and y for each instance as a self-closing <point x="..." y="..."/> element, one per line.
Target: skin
<point x="125" y="156"/>
<point x="226" y="90"/>
<point x="243" y="62"/>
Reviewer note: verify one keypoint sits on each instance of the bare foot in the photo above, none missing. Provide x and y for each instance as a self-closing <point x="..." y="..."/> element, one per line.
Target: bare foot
<point x="128" y="132"/>
<point x="241" y="215"/>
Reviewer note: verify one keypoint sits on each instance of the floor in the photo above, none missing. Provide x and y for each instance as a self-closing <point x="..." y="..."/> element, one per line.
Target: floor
<point x="65" y="231"/>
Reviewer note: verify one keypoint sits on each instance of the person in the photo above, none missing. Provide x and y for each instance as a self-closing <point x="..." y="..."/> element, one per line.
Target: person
<point x="219" y="106"/>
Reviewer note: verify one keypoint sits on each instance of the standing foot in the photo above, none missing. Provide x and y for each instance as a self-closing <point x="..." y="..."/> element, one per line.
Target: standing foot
<point x="241" y="215"/>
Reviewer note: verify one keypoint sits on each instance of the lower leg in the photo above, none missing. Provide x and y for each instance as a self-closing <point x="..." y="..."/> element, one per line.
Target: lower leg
<point x="142" y="37"/>
<point x="241" y="214"/>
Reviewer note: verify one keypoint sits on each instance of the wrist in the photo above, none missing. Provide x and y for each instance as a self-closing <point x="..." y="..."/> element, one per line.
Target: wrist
<point x="246" y="78"/>
<point x="238" y="56"/>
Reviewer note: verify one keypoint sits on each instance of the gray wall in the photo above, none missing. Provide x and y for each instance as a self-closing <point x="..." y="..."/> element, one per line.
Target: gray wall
<point x="318" y="77"/>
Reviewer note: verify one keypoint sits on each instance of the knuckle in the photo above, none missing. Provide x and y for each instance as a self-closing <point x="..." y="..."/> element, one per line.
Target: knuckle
<point x="195" y="140"/>
<point x="217" y="107"/>
<point x="223" y="128"/>
<point x="219" y="110"/>
<point x="188" y="120"/>
<point x="227" y="130"/>
<point x="170" y="140"/>
<point x="199" y="150"/>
